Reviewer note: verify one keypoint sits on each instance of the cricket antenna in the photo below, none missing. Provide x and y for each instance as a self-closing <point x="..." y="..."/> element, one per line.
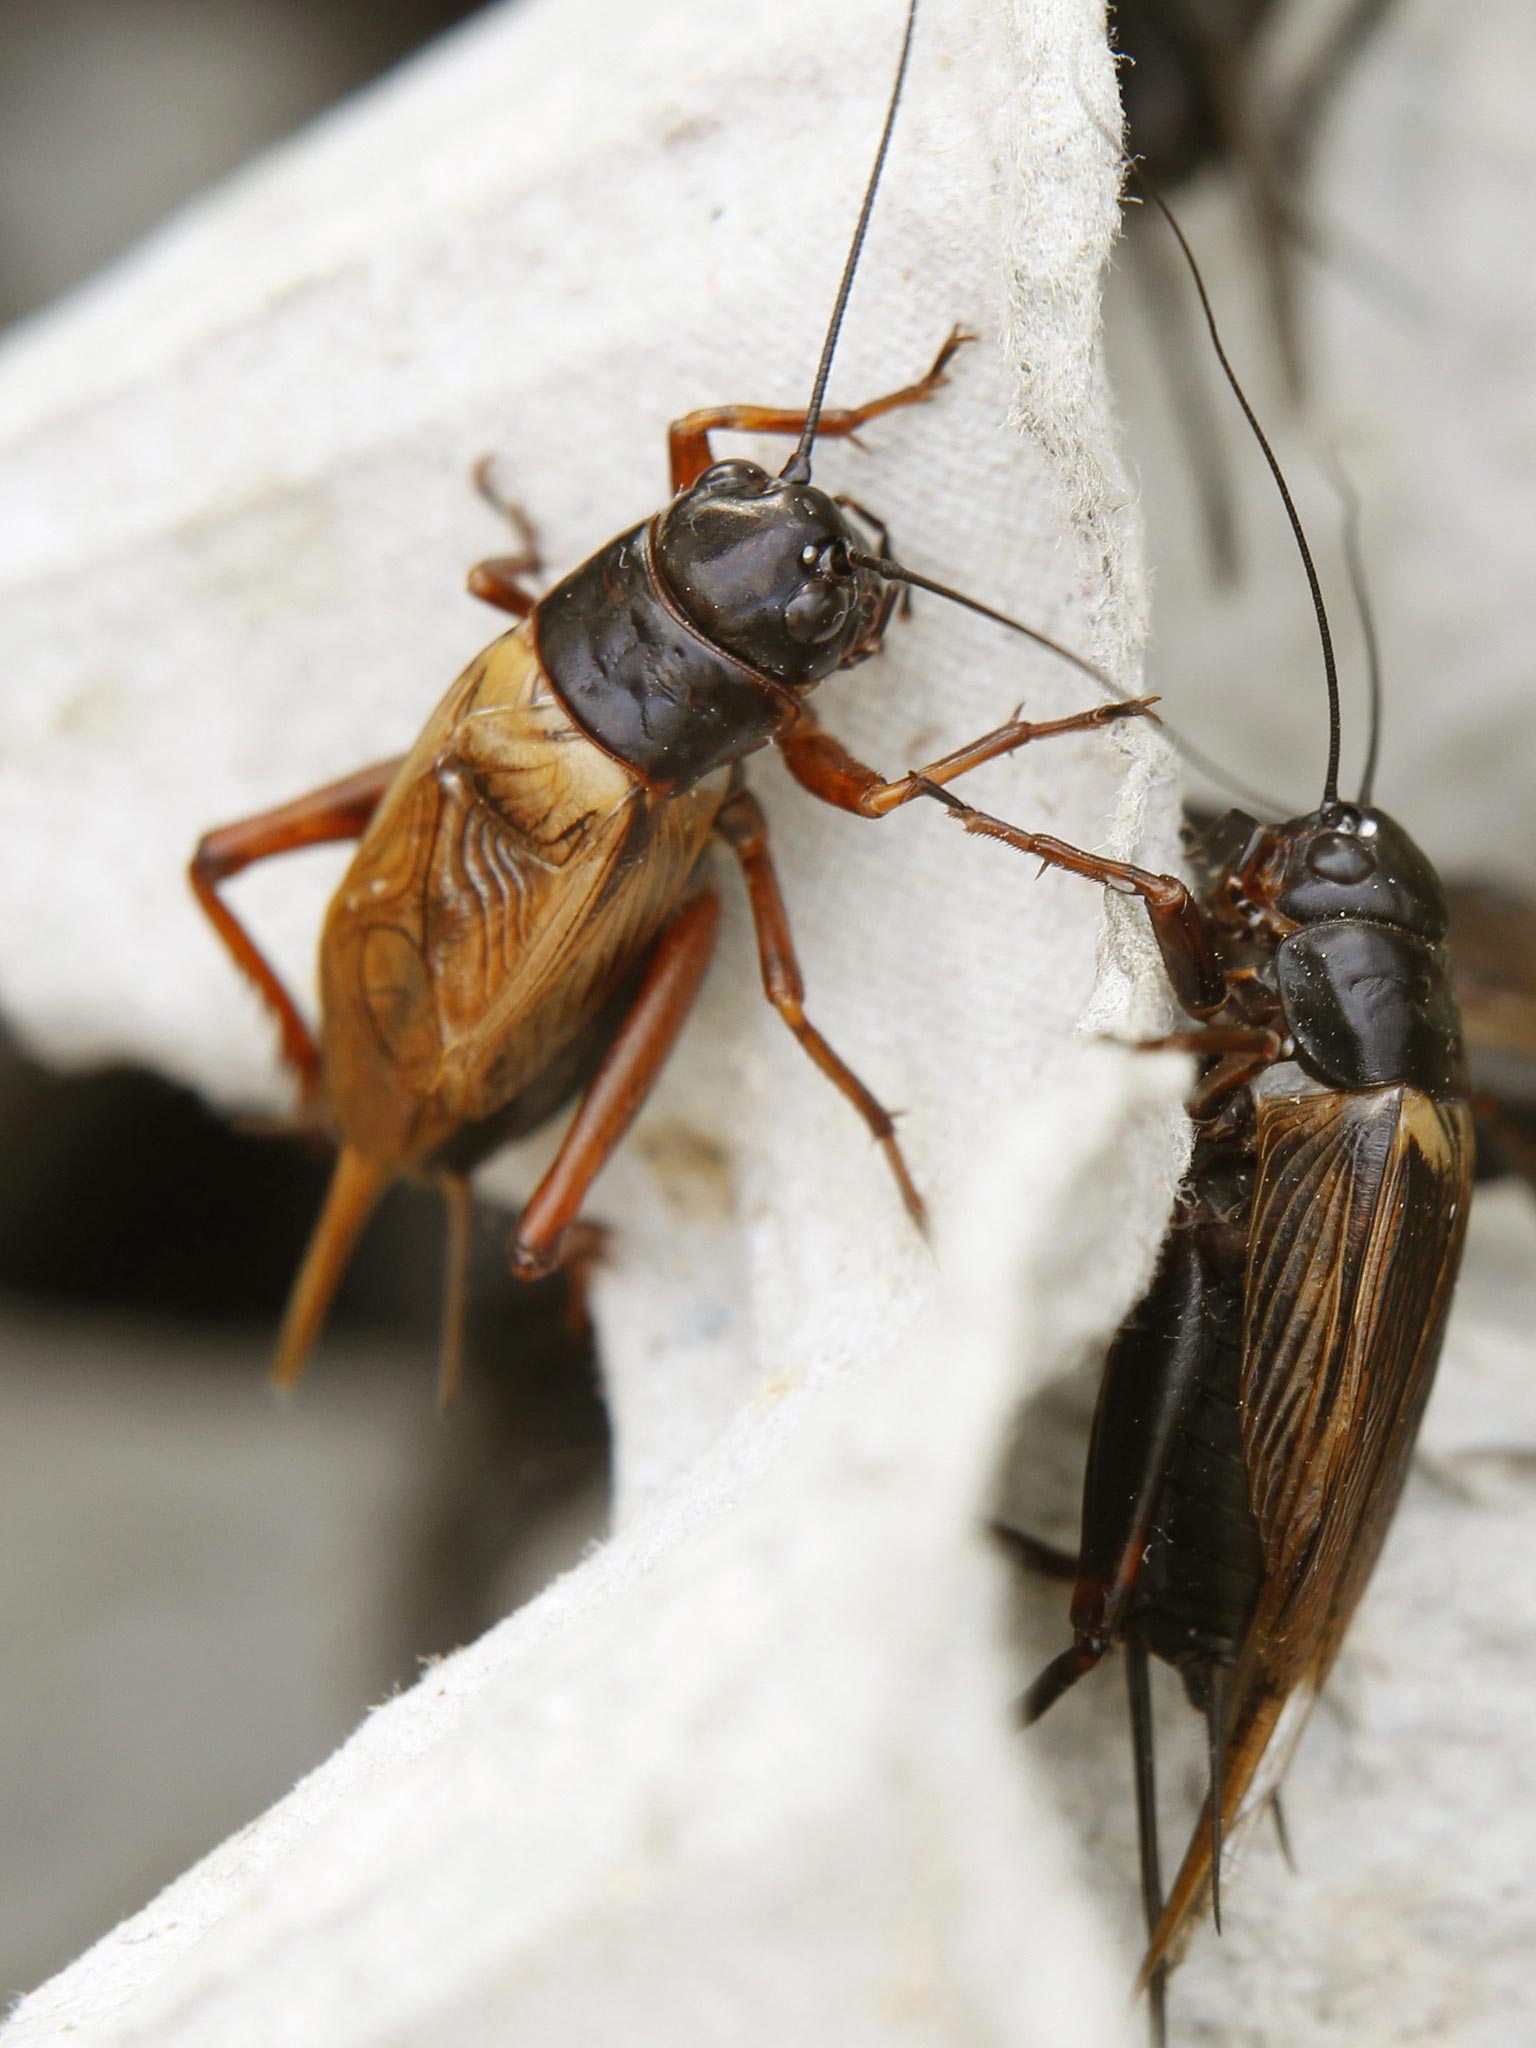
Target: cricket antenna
<point x="1354" y="562"/>
<point x="896" y="572"/>
<point x="1330" y="666"/>
<point x="798" y="468"/>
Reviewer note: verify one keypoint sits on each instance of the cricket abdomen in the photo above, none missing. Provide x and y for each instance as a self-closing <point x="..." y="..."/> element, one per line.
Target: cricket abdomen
<point x="1204" y="1564"/>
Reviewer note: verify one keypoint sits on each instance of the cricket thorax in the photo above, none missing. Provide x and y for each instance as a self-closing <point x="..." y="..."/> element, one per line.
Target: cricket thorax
<point x="642" y="679"/>
<point x="1364" y="978"/>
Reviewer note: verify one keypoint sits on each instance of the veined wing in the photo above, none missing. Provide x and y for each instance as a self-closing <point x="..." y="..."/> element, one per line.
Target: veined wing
<point x="1359" y="1213"/>
<point x="552" y="943"/>
<point x="512" y="875"/>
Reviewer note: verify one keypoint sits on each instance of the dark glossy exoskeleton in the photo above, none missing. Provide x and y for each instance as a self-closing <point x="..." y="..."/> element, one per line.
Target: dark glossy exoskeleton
<point x="1258" y="1411"/>
<point x="1491" y="942"/>
<point x="528" y="913"/>
<point x="1259" y="1408"/>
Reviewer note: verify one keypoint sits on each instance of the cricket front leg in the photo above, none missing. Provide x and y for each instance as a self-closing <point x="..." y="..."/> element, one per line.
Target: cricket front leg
<point x="744" y="829"/>
<point x="1184" y="937"/>
<point x="340" y="811"/>
<point x="627" y="1075"/>
<point x="824" y="766"/>
<point x="688" y="438"/>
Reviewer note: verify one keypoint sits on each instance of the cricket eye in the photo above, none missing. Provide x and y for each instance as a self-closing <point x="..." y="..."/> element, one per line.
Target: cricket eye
<point x="817" y="612"/>
<point x="1340" y="857"/>
<point x="732" y="475"/>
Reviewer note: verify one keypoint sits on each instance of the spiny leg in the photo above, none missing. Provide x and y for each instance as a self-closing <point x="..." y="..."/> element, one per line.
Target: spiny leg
<point x="1306" y="113"/>
<point x="742" y="826"/>
<point x="688" y="438"/>
<point x="1143" y="1755"/>
<point x="626" y="1076"/>
<point x="823" y="765"/>
<point x="339" y="811"/>
<point x="1179" y="924"/>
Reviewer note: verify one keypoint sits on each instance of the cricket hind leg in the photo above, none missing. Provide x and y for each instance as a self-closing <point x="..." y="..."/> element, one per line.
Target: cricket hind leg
<point x="1151" y="1374"/>
<point x="452" y="1165"/>
<point x="688" y="442"/>
<point x="340" y="811"/>
<point x="546" y="1231"/>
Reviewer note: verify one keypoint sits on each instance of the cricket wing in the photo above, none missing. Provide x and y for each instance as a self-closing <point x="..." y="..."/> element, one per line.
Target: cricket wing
<point x="1359" y="1213"/>
<point x="514" y="873"/>
<point x="543" y="953"/>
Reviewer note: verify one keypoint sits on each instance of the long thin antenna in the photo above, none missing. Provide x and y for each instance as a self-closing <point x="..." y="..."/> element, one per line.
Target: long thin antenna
<point x="798" y="468"/>
<point x="1331" y="779"/>
<point x="894" y="572"/>
<point x="1354" y="562"/>
<point x="1209" y="766"/>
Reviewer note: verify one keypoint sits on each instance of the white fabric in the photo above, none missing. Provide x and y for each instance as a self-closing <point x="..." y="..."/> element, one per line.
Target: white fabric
<point x="747" y="1775"/>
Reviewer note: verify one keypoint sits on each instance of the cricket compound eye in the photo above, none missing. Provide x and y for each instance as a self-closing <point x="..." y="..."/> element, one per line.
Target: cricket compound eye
<point x="736" y="475"/>
<point x="1340" y="857"/>
<point x="1354" y="861"/>
<point x="818" y="611"/>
